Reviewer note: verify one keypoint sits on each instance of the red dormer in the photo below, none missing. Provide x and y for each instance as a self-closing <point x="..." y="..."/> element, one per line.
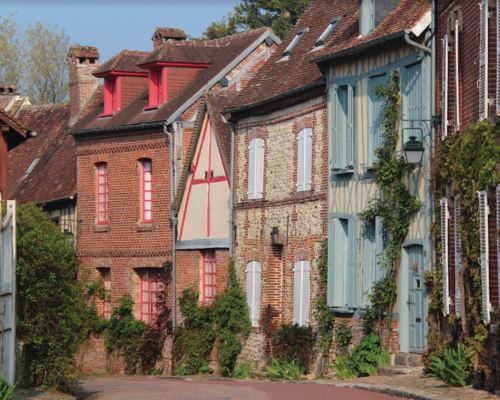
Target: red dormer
<point x="112" y="96"/>
<point x="158" y="93"/>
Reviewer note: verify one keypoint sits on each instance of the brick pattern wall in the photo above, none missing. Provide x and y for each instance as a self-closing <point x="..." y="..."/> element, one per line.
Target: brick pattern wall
<point x="178" y="77"/>
<point x="131" y="87"/>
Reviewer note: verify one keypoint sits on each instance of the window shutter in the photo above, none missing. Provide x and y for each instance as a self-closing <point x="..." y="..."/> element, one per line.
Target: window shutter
<point x="484" y="248"/>
<point x="350" y="127"/>
<point x="352" y="288"/>
<point x="376" y="107"/>
<point x="308" y="158"/>
<point x="444" y="257"/>
<point x="250" y="286"/>
<point x="300" y="160"/>
<point x="251" y="170"/>
<point x="483" y="61"/>
<point x="297" y="285"/>
<point x="259" y="168"/>
<point x="339" y="256"/>
<point x="458" y="260"/>
<point x="339" y="130"/>
<point x="498" y="229"/>
<point x="369" y="261"/>
<point x="498" y="56"/>
<point x="457" y="80"/>
<point x="305" y="290"/>
<point x="379" y="249"/>
<point x="444" y="99"/>
<point x="256" y="298"/>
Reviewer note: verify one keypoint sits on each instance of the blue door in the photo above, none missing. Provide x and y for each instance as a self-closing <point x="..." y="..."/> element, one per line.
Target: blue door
<point x="415" y="301"/>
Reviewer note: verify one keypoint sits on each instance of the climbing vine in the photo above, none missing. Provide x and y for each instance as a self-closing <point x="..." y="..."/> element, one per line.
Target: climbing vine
<point x="395" y="206"/>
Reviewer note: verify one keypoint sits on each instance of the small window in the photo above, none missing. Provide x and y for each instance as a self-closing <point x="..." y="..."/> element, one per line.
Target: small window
<point x="112" y="96"/>
<point x="102" y="193"/>
<point x="150" y="288"/>
<point x="147" y="191"/>
<point x="253" y="291"/>
<point x="106" y="303"/>
<point x="209" y="276"/>
<point x="326" y="33"/>
<point x="256" y="169"/>
<point x="301" y="291"/>
<point x="288" y="51"/>
<point x="157" y="88"/>
<point x="32" y="165"/>
<point x="304" y="159"/>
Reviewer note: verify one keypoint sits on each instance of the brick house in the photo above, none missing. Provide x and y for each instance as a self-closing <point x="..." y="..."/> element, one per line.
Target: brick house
<point x="280" y="177"/>
<point x="132" y="142"/>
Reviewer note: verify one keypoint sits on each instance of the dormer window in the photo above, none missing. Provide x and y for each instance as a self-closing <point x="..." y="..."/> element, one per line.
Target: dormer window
<point x="112" y="96"/>
<point x="372" y="14"/>
<point x="32" y="165"/>
<point x="293" y="44"/>
<point x="326" y="33"/>
<point x="157" y="87"/>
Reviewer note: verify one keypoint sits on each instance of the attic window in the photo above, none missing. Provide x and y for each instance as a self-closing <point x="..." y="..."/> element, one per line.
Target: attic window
<point x="326" y="33"/>
<point x="32" y="165"/>
<point x="288" y="51"/>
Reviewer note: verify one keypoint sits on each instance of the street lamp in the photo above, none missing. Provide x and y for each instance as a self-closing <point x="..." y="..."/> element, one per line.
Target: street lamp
<point x="275" y="236"/>
<point x="413" y="150"/>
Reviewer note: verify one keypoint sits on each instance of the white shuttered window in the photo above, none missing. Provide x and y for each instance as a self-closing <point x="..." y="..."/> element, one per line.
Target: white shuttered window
<point x="301" y="290"/>
<point x="304" y="159"/>
<point x="498" y="56"/>
<point x="483" y="61"/>
<point x="253" y="291"/>
<point x="484" y="259"/>
<point x="457" y="80"/>
<point x="444" y="257"/>
<point x="444" y="87"/>
<point x="256" y="169"/>
<point x="458" y="260"/>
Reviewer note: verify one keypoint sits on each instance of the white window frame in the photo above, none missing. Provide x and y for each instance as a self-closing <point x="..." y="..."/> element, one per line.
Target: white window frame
<point x="458" y="259"/>
<point x="301" y="292"/>
<point x="485" y="254"/>
<point x="483" y="61"/>
<point x="320" y="43"/>
<point x="253" y="291"/>
<point x="445" y="216"/>
<point x="256" y="169"/>
<point x="304" y="159"/>
<point x="444" y="84"/>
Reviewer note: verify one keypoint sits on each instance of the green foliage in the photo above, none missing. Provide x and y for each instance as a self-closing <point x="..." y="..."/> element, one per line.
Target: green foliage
<point x="288" y="369"/>
<point x="280" y="15"/>
<point x="269" y="324"/>
<point x="322" y="313"/>
<point x="450" y="369"/>
<point x="345" y="367"/>
<point x="242" y="371"/>
<point x="10" y="63"/>
<point x="343" y="335"/>
<point x="294" y="342"/>
<point x="232" y="321"/>
<point x="395" y="206"/>
<point x="53" y="315"/>
<point x="6" y="391"/>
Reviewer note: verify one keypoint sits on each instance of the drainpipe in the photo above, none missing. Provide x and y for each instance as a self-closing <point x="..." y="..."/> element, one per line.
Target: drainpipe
<point x="415" y="44"/>
<point x="231" y="127"/>
<point x="173" y="220"/>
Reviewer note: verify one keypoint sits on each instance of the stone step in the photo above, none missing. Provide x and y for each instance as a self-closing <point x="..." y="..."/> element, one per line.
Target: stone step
<point x="400" y="370"/>
<point x="408" y="360"/>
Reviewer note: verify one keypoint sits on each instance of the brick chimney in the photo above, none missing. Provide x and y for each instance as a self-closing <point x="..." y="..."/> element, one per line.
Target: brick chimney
<point x="82" y="62"/>
<point x="7" y="94"/>
<point x="161" y="35"/>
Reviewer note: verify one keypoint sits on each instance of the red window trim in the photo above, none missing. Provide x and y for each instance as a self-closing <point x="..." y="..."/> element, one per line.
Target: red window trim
<point x="209" y="276"/>
<point x="144" y="191"/>
<point x="106" y="303"/>
<point x="102" y="190"/>
<point x="154" y="101"/>
<point x="112" y="96"/>
<point x="151" y="279"/>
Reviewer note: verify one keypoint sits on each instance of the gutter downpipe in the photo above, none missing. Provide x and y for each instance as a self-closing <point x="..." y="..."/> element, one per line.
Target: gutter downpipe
<point x="415" y="44"/>
<point x="231" y="189"/>
<point x="173" y="220"/>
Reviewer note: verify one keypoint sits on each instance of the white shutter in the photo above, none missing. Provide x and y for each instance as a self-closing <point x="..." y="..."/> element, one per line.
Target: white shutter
<point x="444" y="257"/>
<point x="259" y="168"/>
<point x="458" y="260"/>
<point x="297" y="284"/>
<point x="350" y="127"/>
<point x="304" y="302"/>
<point x="301" y="154"/>
<point x="498" y="230"/>
<point x="250" y="286"/>
<point x="457" y="80"/>
<point x="483" y="61"/>
<point x="498" y="56"/>
<point x="444" y="84"/>
<point x="484" y="259"/>
<point x="256" y="294"/>
<point x="308" y="158"/>
<point x="251" y="170"/>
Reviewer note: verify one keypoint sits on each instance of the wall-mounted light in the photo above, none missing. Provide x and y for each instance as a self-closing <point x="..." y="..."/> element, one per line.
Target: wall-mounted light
<point x="275" y="236"/>
<point x="413" y="149"/>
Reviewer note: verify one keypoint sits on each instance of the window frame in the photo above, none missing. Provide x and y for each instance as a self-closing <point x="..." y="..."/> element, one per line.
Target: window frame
<point x="106" y="302"/>
<point x="112" y="96"/>
<point x="209" y="259"/>
<point x="149" y="277"/>
<point x="344" y="128"/>
<point x="104" y="185"/>
<point x="293" y="44"/>
<point x="301" y="292"/>
<point x="326" y="33"/>
<point x="156" y="87"/>
<point x="304" y="159"/>
<point x="253" y="289"/>
<point x="256" y="169"/>
<point x="144" y="191"/>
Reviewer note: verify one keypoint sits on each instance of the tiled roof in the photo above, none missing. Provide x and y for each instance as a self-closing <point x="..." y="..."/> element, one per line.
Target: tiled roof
<point x="183" y="52"/>
<point x="174" y="33"/>
<point x="84" y="51"/>
<point x="124" y="61"/>
<point x="54" y="175"/>
<point x="134" y="114"/>
<point x="14" y="122"/>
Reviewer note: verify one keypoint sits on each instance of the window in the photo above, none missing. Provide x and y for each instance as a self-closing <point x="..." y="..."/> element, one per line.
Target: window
<point x="209" y="276"/>
<point x="304" y="159"/>
<point x="367" y="17"/>
<point x="146" y="192"/>
<point x="288" y="51"/>
<point x="376" y="105"/>
<point x="344" y="287"/>
<point x="344" y="128"/>
<point x="301" y="290"/>
<point x="157" y="87"/>
<point x="256" y="169"/>
<point x="102" y="193"/>
<point x="253" y="291"/>
<point x="372" y="248"/>
<point x="484" y="255"/>
<point x="326" y="33"/>
<point x="106" y="304"/>
<point x="150" y="287"/>
<point x="483" y="61"/>
<point x="112" y="96"/>
<point x="32" y="165"/>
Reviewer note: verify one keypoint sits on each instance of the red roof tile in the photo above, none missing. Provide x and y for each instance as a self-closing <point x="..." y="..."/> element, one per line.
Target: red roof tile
<point x="174" y="33"/>
<point x="124" y="61"/>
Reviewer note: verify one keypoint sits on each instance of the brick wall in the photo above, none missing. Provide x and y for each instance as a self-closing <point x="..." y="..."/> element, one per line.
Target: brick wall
<point x="178" y="77"/>
<point x="131" y="87"/>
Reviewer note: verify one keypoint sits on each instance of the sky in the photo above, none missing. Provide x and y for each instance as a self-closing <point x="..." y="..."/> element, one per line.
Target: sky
<point x="114" y="25"/>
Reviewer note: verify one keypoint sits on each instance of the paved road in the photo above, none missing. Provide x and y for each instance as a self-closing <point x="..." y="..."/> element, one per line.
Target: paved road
<point x="151" y="388"/>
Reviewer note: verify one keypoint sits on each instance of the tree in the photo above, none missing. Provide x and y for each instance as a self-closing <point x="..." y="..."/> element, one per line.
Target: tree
<point x="10" y="66"/>
<point x="45" y="50"/>
<point x="280" y="15"/>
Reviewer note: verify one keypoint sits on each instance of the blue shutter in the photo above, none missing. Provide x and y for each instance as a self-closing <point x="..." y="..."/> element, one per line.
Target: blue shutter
<point x="251" y="170"/>
<point x="350" y="127"/>
<point x="305" y="292"/>
<point x="368" y="261"/>
<point x="297" y="285"/>
<point x="458" y="260"/>
<point x="308" y="158"/>
<point x="444" y="255"/>
<point x="376" y="107"/>
<point x="339" y="261"/>
<point x="340" y="124"/>
<point x="380" y="271"/>
<point x="259" y="168"/>
<point x="301" y="153"/>
<point x="332" y="223"/>
<point x="484" y="251"/>
<point x="352" y="280"/>
<point x="413" y="100"/>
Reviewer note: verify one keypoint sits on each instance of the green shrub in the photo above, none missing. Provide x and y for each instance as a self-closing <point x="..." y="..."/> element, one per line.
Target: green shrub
<point x="345" y="368"/>
<point x="343" y="335"/>
<point x="451" y="369"/>
<point x="242" y="371"/>
<point x="295" y="342"/>
<point x="288" y="369"/>
<point x="6" y="391"/>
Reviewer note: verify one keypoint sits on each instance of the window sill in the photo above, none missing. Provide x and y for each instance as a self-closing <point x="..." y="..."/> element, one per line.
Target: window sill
<point x="105" y="115"/>
<point x="151" y="108"/>
<point x="101" y="228"/>
<point x="144" y="227"/>
<point x="349" y="171"/>
<point x="369" y="168"/>
<point x="303" y="194"/>
<point x="343" y="310"/>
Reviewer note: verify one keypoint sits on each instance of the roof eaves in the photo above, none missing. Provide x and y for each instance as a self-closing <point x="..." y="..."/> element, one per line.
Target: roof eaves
<point x="359" y="48"/>
<point x="221" y="74"/>
<point x="289" y="93"/>
<point x="118" y="128"/>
